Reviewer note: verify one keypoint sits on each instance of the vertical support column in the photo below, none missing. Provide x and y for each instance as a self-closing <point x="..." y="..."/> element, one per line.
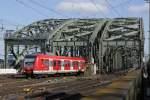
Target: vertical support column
<point x="141" y="45"/>
<point x="74" y="50"/>
<point x="116" y="55"/>
<point x="86" y="51"/>
<point x="114" y="60"/>
<point x="59" y="50"/>
<point x="5" y="58"/>
<point x="17" y="50"/>
<point x="36" y="49"/>
<point x="107" y="60"/>
<point x="43" y="47"/>
<point x="71" y="51"/>
<point x="100" y="54"/>
<point x="54" y="50"/>
<point x="100" y="57"/>
<point x="125" y="55"/>
<point x="117" y="65"/>
<point x="140" y="53"/>
<point x="90" y="52"/>
<point x="62" y="50"/>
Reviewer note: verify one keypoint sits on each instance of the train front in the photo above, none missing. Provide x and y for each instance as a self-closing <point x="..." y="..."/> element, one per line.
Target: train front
<point x="28" y="65"/>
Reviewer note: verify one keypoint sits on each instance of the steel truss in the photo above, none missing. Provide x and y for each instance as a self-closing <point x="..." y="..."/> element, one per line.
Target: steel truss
<point x="113" y="43"/>
<point x="121" y="44"/>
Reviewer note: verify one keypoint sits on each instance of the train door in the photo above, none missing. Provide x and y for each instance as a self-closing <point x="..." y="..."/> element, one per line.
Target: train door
<point x="66" y="65"/>
<point x="75" y="65"/>
<point x="56" y="65"/>
<point x="82" y="65"/>
<point x="45" y="64"/>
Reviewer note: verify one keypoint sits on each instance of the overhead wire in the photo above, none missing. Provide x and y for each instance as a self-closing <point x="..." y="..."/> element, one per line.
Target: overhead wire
<point x="5" y="21"/>
<point x="126" y="2"/>
<point x="113" y="8"/>
<point x="82" y="9"/>
<point x="49" y="9"/>
<point x="28" y="6"/>
<point x="5" y="24"/>
<point x="73" y="11"/>
<point x="2" y="27"/>
<point x="93" y="2"/>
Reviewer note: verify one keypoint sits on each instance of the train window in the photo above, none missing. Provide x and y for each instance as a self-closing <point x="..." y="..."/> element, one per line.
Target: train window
<point x="29" y="64"/>
<point x="59" y="62"/>
<point x="45" y="62"/>
<point x="29" y="60"/>
<point x="54" y="63"/>
<point x="75" y="63"/>
<point x="67" y="63"/>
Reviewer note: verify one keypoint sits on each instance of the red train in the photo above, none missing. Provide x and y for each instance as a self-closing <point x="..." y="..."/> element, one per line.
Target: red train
<point x="45" y="64"/>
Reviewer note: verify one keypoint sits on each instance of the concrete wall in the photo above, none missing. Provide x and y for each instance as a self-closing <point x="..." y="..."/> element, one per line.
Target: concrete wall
<point x="8" y="71"/>
<point x="126" y="88"/>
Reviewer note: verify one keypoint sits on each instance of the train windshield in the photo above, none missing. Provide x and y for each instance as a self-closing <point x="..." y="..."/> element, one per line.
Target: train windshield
<point x="29" y="60"/>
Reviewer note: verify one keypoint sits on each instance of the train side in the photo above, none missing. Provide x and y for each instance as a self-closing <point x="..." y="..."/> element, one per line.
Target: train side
<point x="45" y="64"/>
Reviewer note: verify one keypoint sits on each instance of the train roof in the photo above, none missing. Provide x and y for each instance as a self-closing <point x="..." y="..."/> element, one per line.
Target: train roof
<point x="59" y="57"/>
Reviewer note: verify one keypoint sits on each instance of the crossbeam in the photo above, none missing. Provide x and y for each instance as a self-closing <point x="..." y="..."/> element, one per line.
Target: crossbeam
<point x="69" y="43"/>
<point x="121" y="43"/>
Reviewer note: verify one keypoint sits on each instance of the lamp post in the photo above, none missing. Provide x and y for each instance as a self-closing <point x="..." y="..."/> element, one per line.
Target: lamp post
<point x="148" y="1"/>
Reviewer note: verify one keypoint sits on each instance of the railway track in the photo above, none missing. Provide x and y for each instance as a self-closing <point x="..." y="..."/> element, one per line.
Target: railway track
<point x="78" y="88"/>
<point x="17" y="86"/>
<point x="74" y="93"/>
<point x="44" y="88"/>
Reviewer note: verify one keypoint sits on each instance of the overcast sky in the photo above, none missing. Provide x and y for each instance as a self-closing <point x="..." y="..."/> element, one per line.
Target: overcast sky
<point x="19" y="13"/>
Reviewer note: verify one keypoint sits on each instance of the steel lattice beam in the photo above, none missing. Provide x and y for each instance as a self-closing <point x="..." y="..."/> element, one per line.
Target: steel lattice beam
<point x="108" y="41"/>
<point x="125" y="33"/>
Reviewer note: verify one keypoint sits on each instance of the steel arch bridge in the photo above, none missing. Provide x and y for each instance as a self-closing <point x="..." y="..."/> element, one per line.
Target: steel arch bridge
<point x="113" y="44"/>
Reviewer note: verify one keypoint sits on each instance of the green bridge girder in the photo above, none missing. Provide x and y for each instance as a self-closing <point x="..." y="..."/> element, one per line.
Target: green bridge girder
<point x="104" y="40"/>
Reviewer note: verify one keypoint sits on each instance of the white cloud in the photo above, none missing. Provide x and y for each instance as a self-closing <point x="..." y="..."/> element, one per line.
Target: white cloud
<point x="82" y="6"/>
<point x="138" y="8"/>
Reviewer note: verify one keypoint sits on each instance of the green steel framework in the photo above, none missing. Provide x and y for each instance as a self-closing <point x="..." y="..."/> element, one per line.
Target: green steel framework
<point x="114" y="44"/>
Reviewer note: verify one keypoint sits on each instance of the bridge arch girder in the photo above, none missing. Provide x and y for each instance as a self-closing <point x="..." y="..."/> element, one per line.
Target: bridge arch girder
<point x="126" y="33"/>
<point x="73" y="30"/>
